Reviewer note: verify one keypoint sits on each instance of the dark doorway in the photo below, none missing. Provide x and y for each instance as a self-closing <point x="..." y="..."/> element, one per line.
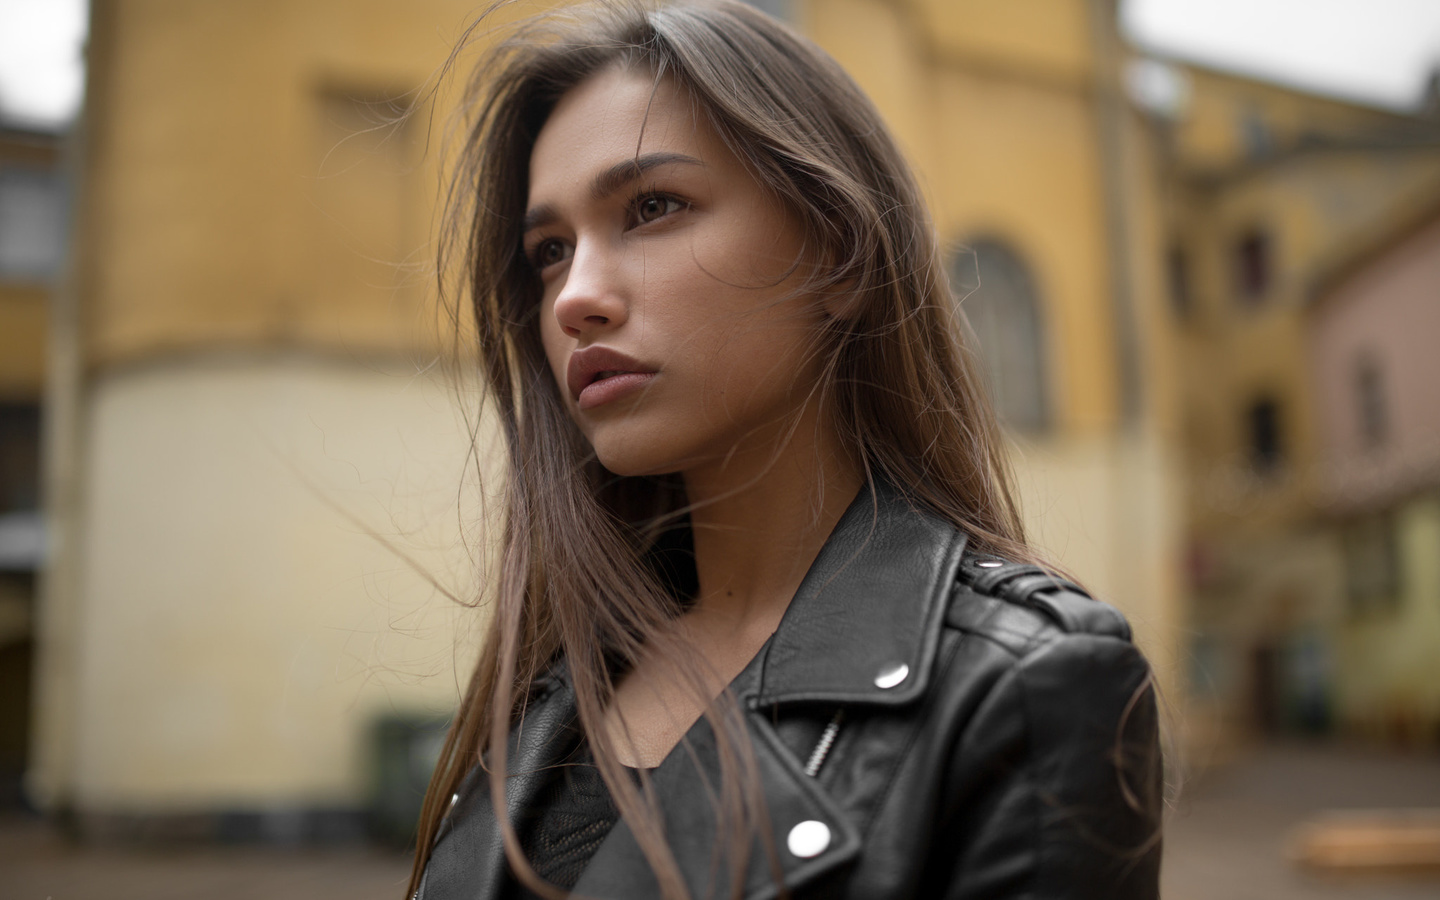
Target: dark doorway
<point x="20" y="551"/>
<point x="1264" y="688"/>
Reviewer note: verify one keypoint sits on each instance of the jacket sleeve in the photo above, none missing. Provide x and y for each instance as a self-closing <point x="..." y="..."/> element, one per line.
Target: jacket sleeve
<point x="1055" y="787"/>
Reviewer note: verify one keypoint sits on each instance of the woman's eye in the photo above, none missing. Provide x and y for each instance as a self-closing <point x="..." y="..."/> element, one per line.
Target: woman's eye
<point x="655" y="206"/>
<point x="548" y="252"/>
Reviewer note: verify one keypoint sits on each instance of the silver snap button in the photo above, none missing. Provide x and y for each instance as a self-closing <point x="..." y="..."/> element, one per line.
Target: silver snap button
<point x="454" y="798"/>
<point x="990" y="564"/>
<point x="809" y="838"/>
<point x="892" y="675"/>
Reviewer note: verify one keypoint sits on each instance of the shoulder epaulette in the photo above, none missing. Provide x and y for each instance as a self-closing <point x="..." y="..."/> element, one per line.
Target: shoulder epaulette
<point x="1063" y="602"/>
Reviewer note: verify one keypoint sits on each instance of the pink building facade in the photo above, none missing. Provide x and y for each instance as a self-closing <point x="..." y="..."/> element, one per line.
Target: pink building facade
<point x="1376" y="367"/>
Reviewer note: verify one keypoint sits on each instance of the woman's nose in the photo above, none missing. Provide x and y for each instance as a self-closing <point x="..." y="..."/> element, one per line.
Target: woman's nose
<point x="591" y="299"/>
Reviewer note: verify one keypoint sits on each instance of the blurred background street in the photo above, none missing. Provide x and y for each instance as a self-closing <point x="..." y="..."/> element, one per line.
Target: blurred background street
<point x="1199" y="244"/>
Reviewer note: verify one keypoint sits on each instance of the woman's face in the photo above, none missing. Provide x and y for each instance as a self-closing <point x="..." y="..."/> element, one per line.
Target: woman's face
<point x="670" y="317"/>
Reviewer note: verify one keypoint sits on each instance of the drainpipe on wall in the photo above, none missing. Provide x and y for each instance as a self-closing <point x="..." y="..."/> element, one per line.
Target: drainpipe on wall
<point x="1142" y="553"/>
<point x="50" y="779"/>
<point x="1110" y="134"/>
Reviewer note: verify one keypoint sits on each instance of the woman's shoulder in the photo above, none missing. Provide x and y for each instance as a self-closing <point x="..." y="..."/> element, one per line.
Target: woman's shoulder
<point x="1022" y="608"/>
<point x="1041" y="646"/>
<point x="1045" y="713"/>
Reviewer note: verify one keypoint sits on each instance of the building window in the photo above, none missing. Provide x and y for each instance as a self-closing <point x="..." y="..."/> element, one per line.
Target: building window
<point x="1267" y="451"/>
<point x="1370" y="407"/>
<point x="1255" y="134"/>
<point x="19" y="457"/>
<point x="1253" y="264"/>
<point x="32" y="224"/>
<point x="1372" y="562"/>
<point x="21" y="536"/>
<point x="998" y="297"/>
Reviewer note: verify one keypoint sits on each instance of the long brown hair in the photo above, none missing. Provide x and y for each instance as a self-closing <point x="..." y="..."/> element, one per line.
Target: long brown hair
<point x="573" y="580"/>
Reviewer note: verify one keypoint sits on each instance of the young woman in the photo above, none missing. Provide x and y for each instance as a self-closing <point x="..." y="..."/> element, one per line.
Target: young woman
<point x="765" y="622"/>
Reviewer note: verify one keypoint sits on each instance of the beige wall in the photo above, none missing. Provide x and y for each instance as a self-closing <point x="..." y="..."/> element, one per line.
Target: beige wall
<point x="1105" y="508"/>
<point x="1389" y="659"/>
<point x="238" y="632"/>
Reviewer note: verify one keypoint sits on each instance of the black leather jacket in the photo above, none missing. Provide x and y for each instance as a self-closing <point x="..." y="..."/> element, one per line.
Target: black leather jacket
<point x="996" y="739"/>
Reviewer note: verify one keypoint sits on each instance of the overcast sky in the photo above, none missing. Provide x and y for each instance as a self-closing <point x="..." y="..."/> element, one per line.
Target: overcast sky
<point x="41" y="74"/>
<point x="1374" y="51"/>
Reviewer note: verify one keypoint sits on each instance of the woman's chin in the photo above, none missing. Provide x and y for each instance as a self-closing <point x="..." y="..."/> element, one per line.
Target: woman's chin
<point x="640" y="458"/>
<point x="634" y="463"/>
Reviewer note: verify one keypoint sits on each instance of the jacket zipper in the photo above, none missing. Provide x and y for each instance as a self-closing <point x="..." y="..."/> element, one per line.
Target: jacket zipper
<point x="822" y="748"/>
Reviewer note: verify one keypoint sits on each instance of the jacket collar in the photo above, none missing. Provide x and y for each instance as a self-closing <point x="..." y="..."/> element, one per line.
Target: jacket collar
<point x="864" y="626"/>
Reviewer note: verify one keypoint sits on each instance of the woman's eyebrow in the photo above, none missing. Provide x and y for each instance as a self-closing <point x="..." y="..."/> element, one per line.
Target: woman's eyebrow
<point x="626" y="171"/>
<point x="609" y="181"/>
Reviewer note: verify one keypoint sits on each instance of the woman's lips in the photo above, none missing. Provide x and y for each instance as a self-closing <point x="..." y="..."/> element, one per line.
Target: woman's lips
<point x="598" y="375"/>
<point x="611" y="387"/>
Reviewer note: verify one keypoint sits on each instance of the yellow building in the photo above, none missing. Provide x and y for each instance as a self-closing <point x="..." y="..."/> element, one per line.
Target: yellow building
<point x="249" y="348"/>
<point x="1266" y="188"/>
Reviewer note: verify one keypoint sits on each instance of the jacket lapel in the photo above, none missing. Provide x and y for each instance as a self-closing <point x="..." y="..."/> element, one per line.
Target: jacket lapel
<point x="865" y="624"/>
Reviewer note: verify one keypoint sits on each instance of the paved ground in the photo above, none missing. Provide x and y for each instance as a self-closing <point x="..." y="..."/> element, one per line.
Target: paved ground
<point x="1227" y="838"/>
<point x="1225" y="841"/>
<point x="37" y="865"/>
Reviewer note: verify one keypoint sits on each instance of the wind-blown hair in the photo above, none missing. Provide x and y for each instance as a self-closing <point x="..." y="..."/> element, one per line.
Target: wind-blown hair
<point x="573" y="579"/>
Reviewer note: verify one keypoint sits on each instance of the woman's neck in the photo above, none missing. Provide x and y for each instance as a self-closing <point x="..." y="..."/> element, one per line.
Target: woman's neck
<point x="758" y="520"/>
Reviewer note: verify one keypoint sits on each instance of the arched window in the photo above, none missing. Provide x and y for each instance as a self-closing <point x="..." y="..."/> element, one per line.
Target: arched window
<point x="997" y="294"/>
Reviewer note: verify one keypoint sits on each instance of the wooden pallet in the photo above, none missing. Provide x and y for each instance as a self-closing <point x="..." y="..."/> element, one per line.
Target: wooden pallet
<point x="1380" y="841"/>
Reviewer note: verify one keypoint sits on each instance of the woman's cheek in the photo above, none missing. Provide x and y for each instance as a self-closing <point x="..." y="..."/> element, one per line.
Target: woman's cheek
<point x="557" y="349"/>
